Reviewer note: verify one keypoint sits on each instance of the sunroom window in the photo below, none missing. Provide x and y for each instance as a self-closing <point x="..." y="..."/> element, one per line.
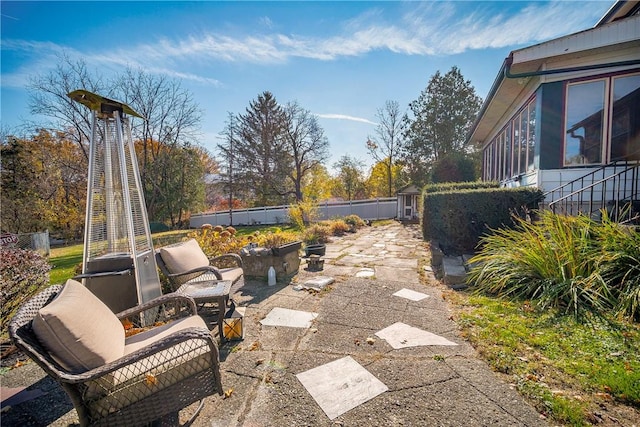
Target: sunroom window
<point x="584" y="123"/>
<point x="625" y="122"/>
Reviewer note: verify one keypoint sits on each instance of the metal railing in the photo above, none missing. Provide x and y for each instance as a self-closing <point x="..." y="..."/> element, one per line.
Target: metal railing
<point x="614" y="187"/>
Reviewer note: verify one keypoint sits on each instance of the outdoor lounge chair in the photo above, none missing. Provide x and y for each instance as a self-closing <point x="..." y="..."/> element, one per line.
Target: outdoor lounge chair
<point x="186" y="262"/>
<point x="119" y="370"/>
<point x="190" y="272"/>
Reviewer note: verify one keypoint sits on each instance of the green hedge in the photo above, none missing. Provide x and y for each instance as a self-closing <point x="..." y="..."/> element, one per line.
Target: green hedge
<point x="453" y="186"/>
<point x="457" y="218"/>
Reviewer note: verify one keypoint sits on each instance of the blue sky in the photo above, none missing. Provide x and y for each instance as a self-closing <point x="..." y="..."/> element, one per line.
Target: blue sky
<point x="339" y="60"/>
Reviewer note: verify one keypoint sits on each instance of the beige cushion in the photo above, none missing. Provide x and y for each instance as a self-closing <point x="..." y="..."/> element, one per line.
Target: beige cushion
<point x="79" y="330"/>
<point x="184" y="257"/>
<point x="146" y="338"/>
<point x="134" y="375"/>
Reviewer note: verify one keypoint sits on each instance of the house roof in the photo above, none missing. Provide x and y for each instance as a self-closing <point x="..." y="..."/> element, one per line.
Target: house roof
<point x="410" y="189"/>
<point x="618" y="30"/>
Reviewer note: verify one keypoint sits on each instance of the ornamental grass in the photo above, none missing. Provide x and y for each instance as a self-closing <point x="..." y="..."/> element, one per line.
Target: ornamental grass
<point x="572" y="263"/>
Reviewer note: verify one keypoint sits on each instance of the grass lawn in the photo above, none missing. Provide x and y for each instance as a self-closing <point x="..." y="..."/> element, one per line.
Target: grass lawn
<point x="574" y="373"/>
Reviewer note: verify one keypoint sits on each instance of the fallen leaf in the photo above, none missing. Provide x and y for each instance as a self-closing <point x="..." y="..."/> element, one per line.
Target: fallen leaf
<point x="259" y="362"/>
<point x="371" y="341"/>
<point x="150" y="379"/>
<point x="18" y="364"/>
<point x="126" y="323"/>
<point x="228" y="393"/>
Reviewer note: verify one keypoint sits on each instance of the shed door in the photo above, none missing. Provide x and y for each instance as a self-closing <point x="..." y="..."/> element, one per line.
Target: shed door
<point x="408" y="206"/>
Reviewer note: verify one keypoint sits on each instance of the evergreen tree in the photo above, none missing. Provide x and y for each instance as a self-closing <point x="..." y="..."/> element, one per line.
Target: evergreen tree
<point x="262" y="160"/>
<point x="441" y="118"/>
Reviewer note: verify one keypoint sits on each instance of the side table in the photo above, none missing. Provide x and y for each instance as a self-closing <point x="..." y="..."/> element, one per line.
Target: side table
<point x="209" y="291"/>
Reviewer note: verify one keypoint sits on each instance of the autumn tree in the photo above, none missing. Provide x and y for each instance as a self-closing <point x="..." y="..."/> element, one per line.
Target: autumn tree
<point x="306" y="143"/>
<point x="439" y="122"/>
<point x="377" y="182"/>
<point x="317" y="184"/>
<point x="350" y="178"/>
<point x="386" y="145"/>
<point x="43" y="184"/>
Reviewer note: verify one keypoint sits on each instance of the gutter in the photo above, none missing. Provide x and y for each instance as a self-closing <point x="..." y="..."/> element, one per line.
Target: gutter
<point x="509" y="62"/>
<point x="494" y="88"/>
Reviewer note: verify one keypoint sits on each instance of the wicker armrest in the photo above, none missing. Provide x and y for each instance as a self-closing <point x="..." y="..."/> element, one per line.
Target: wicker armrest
<point x="206" y="269"/>
<point x="226" y="257"/>
<point x="161" y="308"/>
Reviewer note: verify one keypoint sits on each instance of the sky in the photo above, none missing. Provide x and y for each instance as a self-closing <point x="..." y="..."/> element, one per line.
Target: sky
<point x="341" y="60"/>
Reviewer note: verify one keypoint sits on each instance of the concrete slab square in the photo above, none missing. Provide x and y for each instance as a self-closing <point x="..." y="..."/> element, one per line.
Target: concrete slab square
<point x="366" y="272"/>
<point x="405" y="275"/>
<point x="411" y="295"/>
<point x="290" y="318"/>
<point x="340" y="386"/>
<point x="318" y="283"/>
<point x="401" y="335"/>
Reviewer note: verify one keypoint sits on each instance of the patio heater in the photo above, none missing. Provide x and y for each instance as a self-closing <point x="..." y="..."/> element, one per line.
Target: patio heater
<point x="118" y="263"/>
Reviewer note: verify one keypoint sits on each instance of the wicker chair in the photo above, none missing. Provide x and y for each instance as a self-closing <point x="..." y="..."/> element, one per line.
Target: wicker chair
<point x="207" y="280"/>
<point x="186" y="262"/>
<point x="170" y="363"/>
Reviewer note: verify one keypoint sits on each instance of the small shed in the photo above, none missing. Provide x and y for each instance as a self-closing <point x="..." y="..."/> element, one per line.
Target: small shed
<point x="408" y="203"/>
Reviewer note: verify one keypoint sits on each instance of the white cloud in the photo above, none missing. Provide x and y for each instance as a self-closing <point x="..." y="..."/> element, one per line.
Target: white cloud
<point x="345" y="117"/>
<point x="426" y="28"/>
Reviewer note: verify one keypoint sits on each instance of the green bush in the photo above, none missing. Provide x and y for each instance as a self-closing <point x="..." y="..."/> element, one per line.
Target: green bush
<point x="218" y="240"/>
<point x="339" y="227"/>
<point x="354" y="221"/>
<point x="22" y="274"/>
<point x="316" y="234"/>
<point x="568" y="262"/>
<point x="454" y="167"/>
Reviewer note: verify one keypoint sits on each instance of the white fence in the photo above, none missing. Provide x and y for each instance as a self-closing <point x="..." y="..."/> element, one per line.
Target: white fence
<point x="372" y="209"/>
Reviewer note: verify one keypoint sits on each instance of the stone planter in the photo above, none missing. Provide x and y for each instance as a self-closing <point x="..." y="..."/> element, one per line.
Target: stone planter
<point x="284" y="259"/>
<point x="285" y="249"/>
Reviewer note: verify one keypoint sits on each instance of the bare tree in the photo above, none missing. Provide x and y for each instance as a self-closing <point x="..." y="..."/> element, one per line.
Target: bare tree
<point x="385" y="148"/>
<point x="48" y="98"/>
<point x="306" y="142"/>
<point x="171" y="126"/>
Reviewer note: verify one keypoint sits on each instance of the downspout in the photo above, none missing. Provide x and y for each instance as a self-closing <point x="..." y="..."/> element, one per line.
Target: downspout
<point x="509" y="62"/>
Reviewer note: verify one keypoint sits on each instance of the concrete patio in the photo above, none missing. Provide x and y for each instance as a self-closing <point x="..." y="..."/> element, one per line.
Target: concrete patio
<point x="282" y="375"/>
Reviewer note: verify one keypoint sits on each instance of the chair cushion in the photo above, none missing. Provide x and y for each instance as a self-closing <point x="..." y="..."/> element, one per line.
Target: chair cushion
<point x="79" y="330"/>
<point x="183" y="257"/>
<point x="146" y="338"/>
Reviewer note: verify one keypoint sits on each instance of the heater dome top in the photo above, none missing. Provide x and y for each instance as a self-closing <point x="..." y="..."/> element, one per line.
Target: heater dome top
<point x="99" y="103"/>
